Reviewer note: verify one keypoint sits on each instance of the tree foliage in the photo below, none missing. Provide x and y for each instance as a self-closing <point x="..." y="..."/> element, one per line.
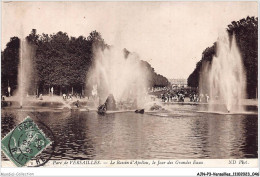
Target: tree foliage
<point x="59" y="61"/>
<point x="9" y="67"/>
<point x="154" y="79"/>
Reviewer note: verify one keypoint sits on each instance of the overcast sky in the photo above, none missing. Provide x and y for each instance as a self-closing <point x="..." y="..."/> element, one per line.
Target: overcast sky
<point x="169" y="35"/>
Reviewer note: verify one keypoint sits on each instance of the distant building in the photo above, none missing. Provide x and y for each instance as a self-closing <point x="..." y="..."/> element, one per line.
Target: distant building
<point x="178" y="83"/>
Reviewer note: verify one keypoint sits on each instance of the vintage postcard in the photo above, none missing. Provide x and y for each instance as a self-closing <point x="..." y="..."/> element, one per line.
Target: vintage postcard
<point x="131" y="85"/>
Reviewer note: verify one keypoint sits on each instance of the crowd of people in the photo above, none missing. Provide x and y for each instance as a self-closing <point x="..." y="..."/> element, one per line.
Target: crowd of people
<point x="194" y="97"/>
<point x="179" y="96"/>
<point x="173" y="97"/>
<point x="167" y="95"/>
<point x="70" y="96"/>
<point x="66" y="97"/>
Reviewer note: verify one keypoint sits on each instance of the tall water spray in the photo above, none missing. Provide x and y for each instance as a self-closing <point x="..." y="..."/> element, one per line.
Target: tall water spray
<point x="225" y="77"/>
<point x="25" y="75"/>
<point x="119" y="73"/>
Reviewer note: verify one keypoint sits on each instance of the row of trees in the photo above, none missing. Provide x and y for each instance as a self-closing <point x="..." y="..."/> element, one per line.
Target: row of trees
<point x="246" y="32"/>
<point x="155" y="80"/>
<point x="58" y="61"/>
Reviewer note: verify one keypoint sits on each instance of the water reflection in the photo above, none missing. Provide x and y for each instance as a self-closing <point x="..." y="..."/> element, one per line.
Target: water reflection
<point x="183" y="133"/>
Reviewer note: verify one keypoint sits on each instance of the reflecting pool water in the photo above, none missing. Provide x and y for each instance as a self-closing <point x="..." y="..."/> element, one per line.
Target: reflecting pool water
<point x="180" y="133"/>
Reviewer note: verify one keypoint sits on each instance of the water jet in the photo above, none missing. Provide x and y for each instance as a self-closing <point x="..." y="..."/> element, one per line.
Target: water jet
<point x="25" y="74"/>
<point x="121" y="74"/>
<point x="225" y="77"/>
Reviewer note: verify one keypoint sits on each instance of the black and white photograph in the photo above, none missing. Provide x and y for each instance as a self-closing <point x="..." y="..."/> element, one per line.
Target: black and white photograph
<point x="129" y="84"/>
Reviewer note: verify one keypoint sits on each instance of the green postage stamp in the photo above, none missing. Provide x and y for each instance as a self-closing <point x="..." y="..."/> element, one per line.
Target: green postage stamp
<point x="24" y="142"/>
